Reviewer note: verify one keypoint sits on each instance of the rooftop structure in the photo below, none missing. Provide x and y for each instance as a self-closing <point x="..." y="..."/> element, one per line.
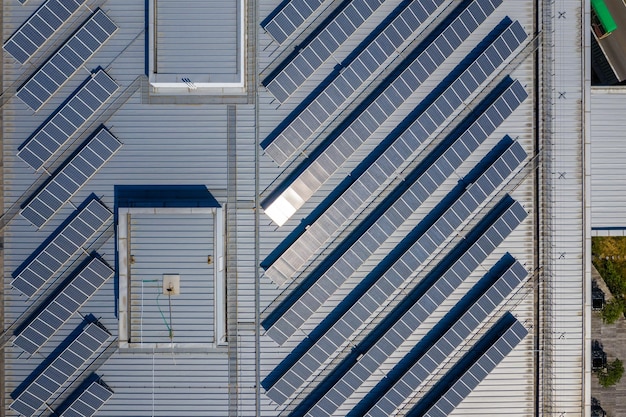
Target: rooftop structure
<point x="293" y="208"/>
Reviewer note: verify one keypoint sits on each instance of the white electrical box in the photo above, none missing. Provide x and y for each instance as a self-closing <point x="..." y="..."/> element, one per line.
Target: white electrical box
<point x="171" y="284"/>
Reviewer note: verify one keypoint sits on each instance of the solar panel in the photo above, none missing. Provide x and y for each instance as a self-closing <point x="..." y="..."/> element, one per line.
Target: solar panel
<point x="479" y="369"/>
<point x="300" y="188"/>
<point x="61" y="370"/>
<point x="290" y="138"/>
<point x="67" y="119"/>
<point x="287" y="20"/>
<point x="375" y="296"/>
<point x="415" y="374"/>
<point x="61" y="248"/>
<point x="63" y="306"/>
<point x="64" y="63"/>
<point x="285" y="82"/>
<point x="340" y="271"/>
<point x="89" y="401"/>
<point x="339" y="213"/>
<point x="66" y="182"/>
<point x="40" y="27"/>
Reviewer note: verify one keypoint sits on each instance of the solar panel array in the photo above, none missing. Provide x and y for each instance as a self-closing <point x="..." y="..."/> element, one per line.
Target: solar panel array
<point x="62" y="369"/>
<point x="342" y="209"/>
<point x="476" y="373"/>
<point x="61" y="248"/>
<point x="310" y="57"/>
<point x="89" y="401"/>
<point x="373" y="238"/>
<point x="96" y="30"/>
<point x="66" y="182"/>
<point x="67" y="119"/>
<point x="427" y="363"/>
<point x="345" y="145"/>
<point x="63" y="306"/>
<point x="399" y="88"/>
<point x="386" y="287"/>
<point x="290" y="17"/>
<point x="40" y="27"/>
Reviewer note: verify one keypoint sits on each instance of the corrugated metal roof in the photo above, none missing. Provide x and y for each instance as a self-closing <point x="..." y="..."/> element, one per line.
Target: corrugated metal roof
<point x="196" y="37"/>
<point x="166" y="244"/>
<point x="174" y="144"/>
<point x="608" y="156"/>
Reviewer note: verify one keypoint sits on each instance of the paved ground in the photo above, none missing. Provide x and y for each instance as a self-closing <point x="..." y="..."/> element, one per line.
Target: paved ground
<point x="615" y="44"/>
<point x="613" y="338"/>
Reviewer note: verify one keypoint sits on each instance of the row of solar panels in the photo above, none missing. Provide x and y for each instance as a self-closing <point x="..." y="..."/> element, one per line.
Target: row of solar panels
<point x="65" y="367"/>
<point x="341" y="338"/>
<point x="68" y="180"/>
<point x="287" y="19"/>
<point x="390" y="334"/>
<point x="328" y="338"/>
<point x="427" y="356"/>
<point x="329" y="223"/>
<point x="64" y="63"/>
<point x="326" y="42"/>
<point x="449" y="394"/>
<point x="345" y="141"/>
<point x="402" y="150"/>
<point x="66" y="120"/>
<point x="73" y="236"/>
<point x="304" y="123"/>
<point x="40" y="27"/>
<point x="347" y="263"/>
<point x="31" y="337"/>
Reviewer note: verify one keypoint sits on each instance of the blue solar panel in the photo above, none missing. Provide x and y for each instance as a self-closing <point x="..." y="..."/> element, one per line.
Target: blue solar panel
<point x="65" y="244"/>
<point x="62" y="369"/>
<point x="311" y="56"/>
<point x="299" y="189"/>
<point x="286" y="21"/>
<point x="376" y="296"/>
<point x="67" y="119"/>
<point x="63" y="306"/>
<point x="70" y="178"/>
<point x="338" y="214"/>
<point x="416" y="373"/>
<point x="285" y="327"/>
<point x="40" y="27"/>
<point x="287" y="142"/>
<point x="477" y="371"/>
<point x="89" y="401"/>
<point x="66" y="60"/>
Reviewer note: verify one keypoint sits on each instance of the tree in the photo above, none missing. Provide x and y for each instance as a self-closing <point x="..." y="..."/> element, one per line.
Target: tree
<point x="612" y="374"/>
<point x="613" y="310"/>
<point x="613" y="278"/>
